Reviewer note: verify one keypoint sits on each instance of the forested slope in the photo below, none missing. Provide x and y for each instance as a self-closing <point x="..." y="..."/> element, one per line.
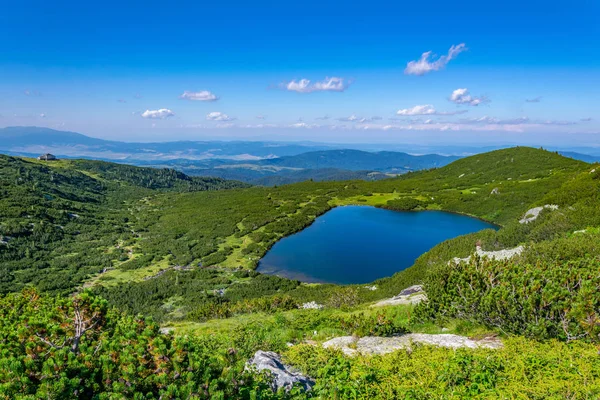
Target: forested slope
<point x="60" y="221"/>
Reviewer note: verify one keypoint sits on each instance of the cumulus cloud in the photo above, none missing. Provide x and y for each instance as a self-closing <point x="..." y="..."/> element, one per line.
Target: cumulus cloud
<point x="158" y="114"/>
<point x="203" y="95"/>
<point x="534" y="100"/>
<point x="426" y="109"/>
<point x="462" y="96"/>
<point x="426" y="64"/>
<point x="333" y="84"/>
<point x="42" y="115"/>
<point x="218" y="116"/>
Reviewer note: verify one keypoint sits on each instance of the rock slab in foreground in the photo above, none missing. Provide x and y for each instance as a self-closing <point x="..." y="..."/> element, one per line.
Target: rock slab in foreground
<point x="351" y="346"/>
<point x="284" y="376"/>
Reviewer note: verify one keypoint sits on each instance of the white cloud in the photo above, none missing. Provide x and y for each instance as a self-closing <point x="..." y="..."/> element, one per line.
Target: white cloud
<point x="42" y="115"/>
<point x="158" y="114"/>
<point x="426" y="109"/>
<point x="305" y="125"/>
<point x="462" y="96"/>
<point x="534" y="100"/>
<point x="352" y="118"/>
<point x="496" y="121"/>
<point x="425" y="65"/>
<point x="218" y="116"/>
<point x="203" y="95"/>
<point x="333" y="84"/>
<point x="515" y="121"/>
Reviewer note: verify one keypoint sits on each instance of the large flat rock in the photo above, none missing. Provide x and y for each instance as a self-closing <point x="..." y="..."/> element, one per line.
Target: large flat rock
<point x="382" y="345"/>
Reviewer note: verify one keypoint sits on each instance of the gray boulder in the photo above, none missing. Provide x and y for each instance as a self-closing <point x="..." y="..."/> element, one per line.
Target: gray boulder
<point x="411" y="295"/>
<point x="283" y="375"/>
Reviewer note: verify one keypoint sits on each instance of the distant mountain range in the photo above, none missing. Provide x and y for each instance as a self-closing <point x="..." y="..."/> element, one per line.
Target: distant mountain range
<point x="323" y="165"/>
<point x="261" y="163"/>
<point x="581" y="157"/>
<point x="34" y="140"/>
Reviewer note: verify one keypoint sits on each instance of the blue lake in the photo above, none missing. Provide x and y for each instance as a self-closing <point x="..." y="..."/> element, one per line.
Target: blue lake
<point x="358" y="244"/>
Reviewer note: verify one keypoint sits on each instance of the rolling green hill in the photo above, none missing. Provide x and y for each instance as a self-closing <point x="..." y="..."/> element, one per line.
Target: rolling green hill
<point x="60" y="221"/>
<point x="159" y="244"/>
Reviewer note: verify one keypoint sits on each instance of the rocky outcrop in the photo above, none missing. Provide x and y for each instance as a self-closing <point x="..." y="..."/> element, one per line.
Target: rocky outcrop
<point x="283" y="375"/>
<point x="352" y="346"/>
<point x="411" y="295"/>
<point x="492" y="255"/>
<point x="533" y="213"/>
<point x="312" y="305"/>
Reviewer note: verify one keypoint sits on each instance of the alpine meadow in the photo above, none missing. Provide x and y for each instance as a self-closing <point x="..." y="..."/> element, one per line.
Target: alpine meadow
<point x="279" y="200"/>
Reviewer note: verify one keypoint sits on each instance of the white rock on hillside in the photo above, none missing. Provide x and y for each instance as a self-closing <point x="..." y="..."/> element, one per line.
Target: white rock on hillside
<point x="312" y="305"/>
<point x="492" y="255"/>
<point x="283" y="375"/>
<point x="351" y="346"/>
<point x="533" y="213"/>
<point x="411" y="295"/>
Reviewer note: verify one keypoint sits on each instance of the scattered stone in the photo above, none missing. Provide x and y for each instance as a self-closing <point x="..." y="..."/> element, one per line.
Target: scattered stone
<point x="284" y="376"/>
<point x="371" y="288"/>
<point x="492" y="255"/>
<point x="411" y="295"/>
<point x="461" y="175"/>
<point x="351" y="345"/>
<point x="533" y="213"/>
<point x="219" y="292"/>
<point x="495" y="191"/>
<point x="312" y="305"/>
<point x="411" y="290"/>
<point x="165" y="330"/>
<point x="581" y="231"/>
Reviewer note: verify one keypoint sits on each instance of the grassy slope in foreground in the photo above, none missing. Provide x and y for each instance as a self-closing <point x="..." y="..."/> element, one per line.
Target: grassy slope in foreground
<point x="523" y="369"/>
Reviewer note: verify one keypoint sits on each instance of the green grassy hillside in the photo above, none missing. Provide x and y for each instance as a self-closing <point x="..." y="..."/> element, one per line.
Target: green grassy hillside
<point x="63" y="221"/>
<point x="156" y="244"/>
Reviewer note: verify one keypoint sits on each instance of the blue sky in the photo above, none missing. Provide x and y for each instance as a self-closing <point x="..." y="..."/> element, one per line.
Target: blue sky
<point x="526" y="71"/>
